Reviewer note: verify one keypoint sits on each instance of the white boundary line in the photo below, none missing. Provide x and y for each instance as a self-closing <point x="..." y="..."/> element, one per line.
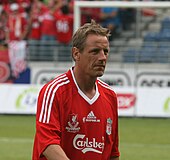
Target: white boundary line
<point x="146" y="145"/>
<point x="14" y="140"/>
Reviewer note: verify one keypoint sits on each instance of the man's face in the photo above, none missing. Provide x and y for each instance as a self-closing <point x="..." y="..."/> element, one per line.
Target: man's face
<point x="94" y="56"/>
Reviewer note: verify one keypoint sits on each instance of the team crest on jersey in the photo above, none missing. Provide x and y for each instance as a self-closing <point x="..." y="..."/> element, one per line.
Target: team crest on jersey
<point x="109" y="126"/>
<point x="73" y="123"/>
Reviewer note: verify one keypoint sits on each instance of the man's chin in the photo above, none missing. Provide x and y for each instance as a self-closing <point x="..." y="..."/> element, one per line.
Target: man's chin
<point x="99" y="74"/>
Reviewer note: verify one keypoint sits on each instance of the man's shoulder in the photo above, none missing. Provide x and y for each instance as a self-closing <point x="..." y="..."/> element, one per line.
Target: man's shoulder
<point x="105" y="87"/>
<point x="57" y="82"/>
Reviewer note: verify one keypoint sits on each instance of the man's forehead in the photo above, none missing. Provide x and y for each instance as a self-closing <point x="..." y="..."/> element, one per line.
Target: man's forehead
<point x="97" y="40"/>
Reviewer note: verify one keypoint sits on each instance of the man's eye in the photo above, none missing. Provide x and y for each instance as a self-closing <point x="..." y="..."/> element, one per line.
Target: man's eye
<point x="95" y="51"/>
<point x="106" y="52"/>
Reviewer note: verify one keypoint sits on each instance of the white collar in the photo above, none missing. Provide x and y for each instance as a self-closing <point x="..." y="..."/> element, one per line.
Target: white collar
<point x="90" y="101"/>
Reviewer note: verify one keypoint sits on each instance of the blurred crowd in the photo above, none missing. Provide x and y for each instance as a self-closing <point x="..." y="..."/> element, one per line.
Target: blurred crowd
<point x="28" y="26"/>
<point x="53" y="19"/>
<point x="35" y="20"/>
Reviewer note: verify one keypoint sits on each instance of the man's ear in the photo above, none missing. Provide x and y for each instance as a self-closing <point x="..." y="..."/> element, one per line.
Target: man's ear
<point x="75" y="54"/>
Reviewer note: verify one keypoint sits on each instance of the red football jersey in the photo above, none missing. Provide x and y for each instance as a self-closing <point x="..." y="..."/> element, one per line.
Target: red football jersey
<point x="48" y="23"/>
<point x="16" y="25"/>
<point x="86" y="129"/>
<point x="64" y="28"/>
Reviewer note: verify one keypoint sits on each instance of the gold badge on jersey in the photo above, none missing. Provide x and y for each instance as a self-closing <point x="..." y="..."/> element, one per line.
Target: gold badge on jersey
<point x="109" y="126"/>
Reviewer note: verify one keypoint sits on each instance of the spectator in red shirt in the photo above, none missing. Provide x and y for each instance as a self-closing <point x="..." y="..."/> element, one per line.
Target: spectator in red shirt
<point x="16" y="23"/>
<point x="34" y="28"/>
<point x="64" y="25"/>
<point x="34" y="23"/>
<point x="48" y="28"/>
<point x="64" y="28"/>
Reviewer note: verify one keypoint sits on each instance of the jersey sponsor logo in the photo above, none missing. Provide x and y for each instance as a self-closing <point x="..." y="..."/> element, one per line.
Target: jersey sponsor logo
<point x="91" y="118"/>
<point x="73" y="123"/>
<point x="109" y="126"/>
<point x="83" y="143"/>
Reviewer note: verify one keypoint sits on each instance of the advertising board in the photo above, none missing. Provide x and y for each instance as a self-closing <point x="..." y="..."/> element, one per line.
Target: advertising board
<point x="139" y="102"/>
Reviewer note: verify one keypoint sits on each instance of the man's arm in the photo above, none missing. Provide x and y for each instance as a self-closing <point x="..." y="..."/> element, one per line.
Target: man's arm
<point x="55" y="152"/>
<point x="114" y="158"/>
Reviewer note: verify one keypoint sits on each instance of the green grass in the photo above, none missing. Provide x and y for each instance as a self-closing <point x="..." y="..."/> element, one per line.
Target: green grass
<point x="16" y="137"/>
<point x="140" y="138"/>
<point x="144" y="139"/>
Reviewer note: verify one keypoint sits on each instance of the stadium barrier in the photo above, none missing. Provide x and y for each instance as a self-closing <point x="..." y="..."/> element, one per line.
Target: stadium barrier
<point x="143" y="102"/>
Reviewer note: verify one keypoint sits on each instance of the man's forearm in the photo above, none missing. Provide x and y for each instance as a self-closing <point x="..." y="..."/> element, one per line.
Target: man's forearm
<point x="55" y="152"/>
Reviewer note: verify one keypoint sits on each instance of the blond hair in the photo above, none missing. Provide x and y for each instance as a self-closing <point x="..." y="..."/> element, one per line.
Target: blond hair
<point x="79" y="38"/>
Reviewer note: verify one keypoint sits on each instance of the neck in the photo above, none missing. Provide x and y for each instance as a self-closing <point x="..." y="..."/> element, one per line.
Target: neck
<point x="85" y="83"/>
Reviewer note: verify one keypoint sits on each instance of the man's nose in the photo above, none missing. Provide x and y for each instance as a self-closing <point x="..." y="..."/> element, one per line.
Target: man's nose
<point x="103" y="55"/>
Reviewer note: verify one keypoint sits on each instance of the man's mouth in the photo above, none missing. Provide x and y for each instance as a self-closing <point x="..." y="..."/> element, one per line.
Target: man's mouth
<point x="100" y="66"/>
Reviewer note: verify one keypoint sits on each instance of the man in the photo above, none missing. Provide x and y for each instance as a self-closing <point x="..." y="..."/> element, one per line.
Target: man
<point x="64" y="30"/>
<point x="16" y="23"/>
<point x="77" y="115"/>
<point x="64" y="25"/>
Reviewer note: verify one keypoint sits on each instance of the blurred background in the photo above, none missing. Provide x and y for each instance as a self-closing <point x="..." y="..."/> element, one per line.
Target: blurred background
<point x="35" y="47"/>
